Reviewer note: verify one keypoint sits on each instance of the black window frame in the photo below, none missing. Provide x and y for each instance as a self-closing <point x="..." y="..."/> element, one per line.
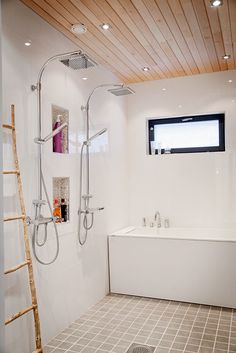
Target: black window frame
<point x="185" y="119"/>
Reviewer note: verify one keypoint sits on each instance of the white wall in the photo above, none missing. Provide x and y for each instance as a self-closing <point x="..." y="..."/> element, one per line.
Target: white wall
<point x="191" y="189"/>
<point x="2" y="340"/>
<point x="78" y="278"/>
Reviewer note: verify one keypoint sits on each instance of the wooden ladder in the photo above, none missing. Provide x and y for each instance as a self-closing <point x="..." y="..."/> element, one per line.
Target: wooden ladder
<point x="28" y="261"/>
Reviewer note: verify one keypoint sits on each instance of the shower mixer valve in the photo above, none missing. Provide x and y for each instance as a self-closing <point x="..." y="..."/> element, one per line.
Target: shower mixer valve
<point x="90" y="210"/>
<point x="39" y="218"/>
<point x="86" y="197"/>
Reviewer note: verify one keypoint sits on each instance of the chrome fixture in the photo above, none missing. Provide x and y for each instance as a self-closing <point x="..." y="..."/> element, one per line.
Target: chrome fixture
<point x="78" y="62"/>
<point x="39" y="220"/>
<point x="121" y="91"/>
<point x="51" y="135"/>
<point x="86" y="212"/>
<point x="157" y="219"/>
<point x="87" y="142"/>
<point x="166" y="223"/>
<point x="144" y="222"/>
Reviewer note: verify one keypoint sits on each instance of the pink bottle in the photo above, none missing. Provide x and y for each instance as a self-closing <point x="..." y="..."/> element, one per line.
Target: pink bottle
<point x="57" y="139"/>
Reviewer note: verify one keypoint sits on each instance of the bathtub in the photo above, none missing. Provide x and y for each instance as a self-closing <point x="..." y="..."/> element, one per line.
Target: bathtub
<point x="192" y="265"/>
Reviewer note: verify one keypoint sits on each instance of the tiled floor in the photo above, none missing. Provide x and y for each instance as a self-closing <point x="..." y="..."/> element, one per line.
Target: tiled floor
<point x="117" y="321"/>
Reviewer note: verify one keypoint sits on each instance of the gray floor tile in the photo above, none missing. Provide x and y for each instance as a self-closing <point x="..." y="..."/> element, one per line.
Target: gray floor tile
<point x="117" y="321"/>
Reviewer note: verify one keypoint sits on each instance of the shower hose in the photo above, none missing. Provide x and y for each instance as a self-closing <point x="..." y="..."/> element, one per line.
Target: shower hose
<point x="35" y="236"/>
<point x="87" y="225"/>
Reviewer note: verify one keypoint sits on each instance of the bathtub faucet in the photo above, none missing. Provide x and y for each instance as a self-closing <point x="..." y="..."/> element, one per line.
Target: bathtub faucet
<point x="157" y="219"/>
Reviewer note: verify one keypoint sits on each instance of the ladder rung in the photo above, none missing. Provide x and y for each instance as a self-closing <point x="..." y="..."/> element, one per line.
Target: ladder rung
<point x="11" y="172"/>
<point x="7" y="126"/>
<point x="20" y="313"/>
<point x="13" y="269"/>
<point x="7" y="219"/>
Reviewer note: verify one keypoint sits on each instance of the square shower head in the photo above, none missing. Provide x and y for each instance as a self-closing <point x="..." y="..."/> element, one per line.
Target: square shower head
<point x="121" y="91"/>
<point x="78" y="62"/>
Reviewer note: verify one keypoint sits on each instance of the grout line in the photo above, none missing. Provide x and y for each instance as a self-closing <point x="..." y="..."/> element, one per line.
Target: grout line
<point x="230" y="330"/>
<point x="180" y="325"/>
<point x="203" y="332"/>
<point x="68" y="335"/>
<point x="217" y="329"/>
<point x="154" y="309"/>
<point x="196" y="314"/>
<point x="168" y="324"/>
<point x="115" y="307"/>
<point x="132" y="323"/>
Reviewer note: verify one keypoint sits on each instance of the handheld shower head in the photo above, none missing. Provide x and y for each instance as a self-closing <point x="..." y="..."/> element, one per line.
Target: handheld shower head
<point x="101" y="132"/>
<point x="51" y="135"/>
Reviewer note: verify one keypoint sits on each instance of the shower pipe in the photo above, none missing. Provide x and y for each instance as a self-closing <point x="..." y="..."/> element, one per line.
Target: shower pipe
<point x="38" y="218"/>
<point x="87" y="211"/>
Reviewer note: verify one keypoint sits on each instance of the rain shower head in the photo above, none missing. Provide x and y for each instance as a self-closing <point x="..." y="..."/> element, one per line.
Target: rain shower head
<point x="121" y="91"/>
<point x="78" y="62"/>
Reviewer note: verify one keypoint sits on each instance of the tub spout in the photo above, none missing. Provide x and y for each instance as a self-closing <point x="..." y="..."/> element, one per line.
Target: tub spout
<point x="157" y="219"/>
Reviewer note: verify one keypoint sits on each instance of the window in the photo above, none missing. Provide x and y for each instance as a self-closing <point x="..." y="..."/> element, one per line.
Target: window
<point x="188" y="134"/>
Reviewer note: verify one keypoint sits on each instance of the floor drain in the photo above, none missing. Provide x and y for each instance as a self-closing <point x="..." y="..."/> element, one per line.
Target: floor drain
<point x="140" y="348"/>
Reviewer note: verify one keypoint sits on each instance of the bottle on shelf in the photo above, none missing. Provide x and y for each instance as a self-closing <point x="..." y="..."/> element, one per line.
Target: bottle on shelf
<point x="57" y="210"/>
<point x="64" y="210"/>
<point x="57" y="139"/>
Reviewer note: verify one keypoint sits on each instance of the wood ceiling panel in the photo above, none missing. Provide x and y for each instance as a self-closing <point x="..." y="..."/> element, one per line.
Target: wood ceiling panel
<point x="126" y="45"/>
<point x="217" y="34"/>
<point x="171" y="37"/>
<point x="226" y="33"/>
<point x="232" y="13"/>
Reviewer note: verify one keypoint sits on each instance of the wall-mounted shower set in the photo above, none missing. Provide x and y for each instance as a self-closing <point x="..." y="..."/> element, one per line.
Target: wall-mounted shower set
<point x="75" y="60"/>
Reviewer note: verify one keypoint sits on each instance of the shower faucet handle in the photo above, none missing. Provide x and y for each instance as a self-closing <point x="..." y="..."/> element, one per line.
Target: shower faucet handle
<point x="92" y="210"/>
<point x="39" y="202"/>
<point x="85" y="197"/>
<point x="144" y="222"/>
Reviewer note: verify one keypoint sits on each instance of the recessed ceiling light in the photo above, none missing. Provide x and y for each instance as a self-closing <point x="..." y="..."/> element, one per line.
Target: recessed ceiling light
<point x="84" y="78"/>
<point x="226" y="56"/>
<point x="230" y="81"/>
<point x="179" y="106"/>
<point x="28" y="43"/>
<point x="78" y="28"/>
<point x="163" y="89"/>
<point x="145" y="68"/>
<point x="105" y="26"/>
<point x="216" y="3"/>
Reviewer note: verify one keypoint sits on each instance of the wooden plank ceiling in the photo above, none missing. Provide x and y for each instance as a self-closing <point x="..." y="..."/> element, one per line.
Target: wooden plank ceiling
<point x="171" y="37"/>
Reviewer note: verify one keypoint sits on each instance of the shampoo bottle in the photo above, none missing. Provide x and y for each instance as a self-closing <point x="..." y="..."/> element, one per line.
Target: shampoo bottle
<point x="64" y="210"/>
<point x="57" y="210"/>
<point x="57" y="139"/>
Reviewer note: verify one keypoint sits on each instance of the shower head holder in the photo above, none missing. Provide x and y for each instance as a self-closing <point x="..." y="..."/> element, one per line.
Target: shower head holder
<point x="39" y="141"/>
<point x="84" y="108"/>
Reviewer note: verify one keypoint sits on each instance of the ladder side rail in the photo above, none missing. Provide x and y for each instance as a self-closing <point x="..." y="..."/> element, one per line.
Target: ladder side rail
<point x="34" y="306"/>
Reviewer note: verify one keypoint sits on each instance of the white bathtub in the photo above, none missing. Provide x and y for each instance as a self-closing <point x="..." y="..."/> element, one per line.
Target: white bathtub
<point x="191" y="265"/>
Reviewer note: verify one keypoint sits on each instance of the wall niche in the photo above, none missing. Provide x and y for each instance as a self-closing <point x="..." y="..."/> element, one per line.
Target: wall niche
<point x="61" y="199"/>
<point x="60" y="143"/>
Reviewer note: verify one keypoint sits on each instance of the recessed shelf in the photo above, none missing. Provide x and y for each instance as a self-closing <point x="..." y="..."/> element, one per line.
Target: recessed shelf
<point x="61" y="198"/>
